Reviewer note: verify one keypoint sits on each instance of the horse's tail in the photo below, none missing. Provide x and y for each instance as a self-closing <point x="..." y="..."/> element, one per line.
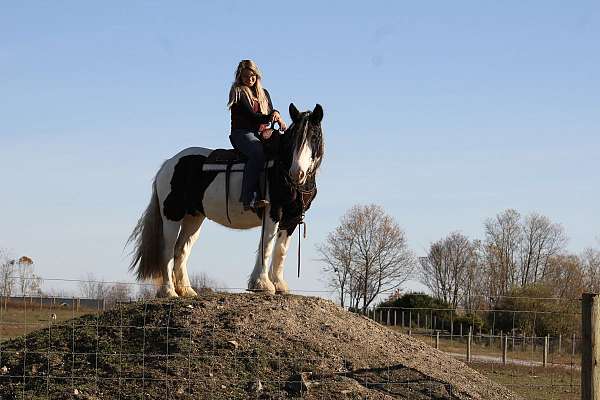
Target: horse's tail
<point x="148" y="238"/>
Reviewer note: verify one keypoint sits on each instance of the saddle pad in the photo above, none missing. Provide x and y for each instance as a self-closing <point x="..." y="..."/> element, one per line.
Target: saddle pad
<point x="237" y="167"/>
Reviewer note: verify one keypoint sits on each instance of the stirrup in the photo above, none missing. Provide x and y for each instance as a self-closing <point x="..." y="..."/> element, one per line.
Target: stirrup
<point x="256" y="205"/>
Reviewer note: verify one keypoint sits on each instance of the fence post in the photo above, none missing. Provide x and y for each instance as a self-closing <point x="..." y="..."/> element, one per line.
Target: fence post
<point x="437" y="340"/>
<point x="546" y="345"/>
<point x="504" y="349"/>
<point x="469" y="347"/>
<point x="573" y="344"/>
<point x="590" y="336"/>
<point x="395" y="315"/>
<point x="418" y="319"/>
<point x="461" y="335"/>
<point x="402" y="318"/>
<point x="388" y="316"/>
<point x="559" y="343"/>
<point x="451" y="325"/>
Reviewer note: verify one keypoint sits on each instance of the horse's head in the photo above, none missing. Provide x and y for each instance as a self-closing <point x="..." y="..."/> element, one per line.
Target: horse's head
<point x="303" y="144"/>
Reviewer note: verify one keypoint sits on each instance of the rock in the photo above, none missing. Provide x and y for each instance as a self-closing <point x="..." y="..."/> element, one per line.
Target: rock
<point x="233" y="344"/>
<point x="190" y="306"/>
<point x="76" y="392"/>
<point x="256" y="387"/>
<point x="4" y="370"/>
<point x="300" y="383"/>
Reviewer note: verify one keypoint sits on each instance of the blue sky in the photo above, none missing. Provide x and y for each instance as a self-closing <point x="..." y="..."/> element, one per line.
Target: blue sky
<point x="445" y="113"/>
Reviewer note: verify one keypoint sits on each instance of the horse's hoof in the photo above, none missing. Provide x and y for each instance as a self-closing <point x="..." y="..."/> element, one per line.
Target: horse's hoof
<point x="281" y="287"/>
<point x="262" y="286"/>
<point x="186" y="291"/>
<point x="167" y="293"/>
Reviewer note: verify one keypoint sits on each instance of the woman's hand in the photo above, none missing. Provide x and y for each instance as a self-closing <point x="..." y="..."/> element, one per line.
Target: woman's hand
<point x="277" y="118"/>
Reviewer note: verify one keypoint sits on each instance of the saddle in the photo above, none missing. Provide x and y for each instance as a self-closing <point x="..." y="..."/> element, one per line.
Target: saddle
<point x="223" y="160"/>
<point x="225" y="156"/>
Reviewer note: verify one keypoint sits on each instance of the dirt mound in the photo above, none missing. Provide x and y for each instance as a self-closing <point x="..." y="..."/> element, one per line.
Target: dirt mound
<point x="232" y="346"/>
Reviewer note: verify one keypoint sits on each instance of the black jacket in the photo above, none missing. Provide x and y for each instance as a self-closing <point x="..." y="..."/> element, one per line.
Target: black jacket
<point x="243" y="117"/>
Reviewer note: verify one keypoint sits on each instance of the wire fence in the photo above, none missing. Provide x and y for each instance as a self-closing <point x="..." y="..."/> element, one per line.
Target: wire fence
<point x="544" y="367"/>
<point x="142" y="349"/>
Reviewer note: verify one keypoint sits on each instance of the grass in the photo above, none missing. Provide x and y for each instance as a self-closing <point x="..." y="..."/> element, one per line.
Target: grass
<point x="482" y="347"/>
<point x="17" y="319"/>
<point x="533" y="383"/>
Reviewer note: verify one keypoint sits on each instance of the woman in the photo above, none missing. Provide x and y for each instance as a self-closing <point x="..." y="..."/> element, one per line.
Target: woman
<point x="251" y="111"/>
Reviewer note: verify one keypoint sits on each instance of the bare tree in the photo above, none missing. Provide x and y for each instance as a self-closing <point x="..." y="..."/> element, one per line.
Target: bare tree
<point x="200" y="280"/>
<point x="7" y="278"/>
<point x="502" y="242"/>
<point x="541" y="240"/>
<point x="590" y="260"/>
<point x="474" y="287"/>
<point x="446" y="267"/>
<point x="118" y="292"/>
<point x="565" y="275"/>
<point x="93" y="288"/>
<point x="29" y="282"/>
<point x="374" y="257"/>
<point x="336" y="254"/>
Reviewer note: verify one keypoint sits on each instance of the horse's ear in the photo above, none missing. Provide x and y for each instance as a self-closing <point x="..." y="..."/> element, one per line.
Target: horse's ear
<point x="294" y="113"/>
<point x="317" y="115"/>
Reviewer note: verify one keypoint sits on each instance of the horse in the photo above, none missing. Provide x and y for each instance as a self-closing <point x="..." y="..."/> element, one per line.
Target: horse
<point x="200" y="183"/>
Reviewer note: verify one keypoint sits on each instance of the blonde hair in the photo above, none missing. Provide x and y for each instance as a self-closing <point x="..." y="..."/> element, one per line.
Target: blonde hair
<point x="238" y="88"/>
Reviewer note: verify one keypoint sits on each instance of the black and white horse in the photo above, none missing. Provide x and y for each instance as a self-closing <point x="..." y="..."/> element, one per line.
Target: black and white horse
<point x="195" y="185"/>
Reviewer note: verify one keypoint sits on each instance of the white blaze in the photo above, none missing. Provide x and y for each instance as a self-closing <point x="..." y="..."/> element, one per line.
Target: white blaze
<point x="302" y="162"/>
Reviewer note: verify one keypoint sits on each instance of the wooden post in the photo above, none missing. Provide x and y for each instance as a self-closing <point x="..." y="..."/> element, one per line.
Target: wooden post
<point x="388" y="316"/>
<point x="504" y="349"/>
<point x="573" y="344"/>
<point x="546" y="345"/>
<point x="395" y="315"/>
<point x="461" y="335"/>
<point x="469" y="347"/>
<point x="418" y="320"/>
<point x="403" y="318"/>
<point x="426" y="326"/>
<point x="437" y="340"/>
<point x="559" y="343"/>
<point x="451" y="325"/>
<point x="409" y="321"/>
<point x="434" y="321"/>
<point x="590" y="346"/>
<point x="501" y="339"/>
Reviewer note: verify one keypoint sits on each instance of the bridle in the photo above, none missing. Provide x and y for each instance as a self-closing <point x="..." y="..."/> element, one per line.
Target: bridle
<point x="306" y="191"/>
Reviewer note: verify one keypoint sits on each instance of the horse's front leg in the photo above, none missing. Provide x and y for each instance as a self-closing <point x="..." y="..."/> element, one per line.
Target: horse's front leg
<point x="259" y="279"/>
<point x="281" y="248"/>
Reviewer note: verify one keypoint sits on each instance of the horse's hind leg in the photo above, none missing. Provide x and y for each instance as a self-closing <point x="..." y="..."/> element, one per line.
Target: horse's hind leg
<point x="190" y="230"/>
<point x="259" y="279"/>
<point x="170" y="233"/>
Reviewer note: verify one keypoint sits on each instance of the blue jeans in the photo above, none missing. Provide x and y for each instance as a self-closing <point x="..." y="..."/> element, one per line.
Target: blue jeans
<point x="248" y="144"/>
